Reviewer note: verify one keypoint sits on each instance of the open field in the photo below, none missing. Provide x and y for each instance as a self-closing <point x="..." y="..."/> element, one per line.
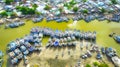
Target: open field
<point x="103" y="30"/>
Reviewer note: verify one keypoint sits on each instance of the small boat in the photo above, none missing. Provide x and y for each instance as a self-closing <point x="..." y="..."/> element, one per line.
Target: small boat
<point x="21" y="23"/>
<point x="110" y="52"/>
<point x="38" y="19"/>
<point x="14" y="61"/>
<point x="103" y="50"/>
<point x="6" y="26"/>
<point x="69" y="39"/>
<point x="17" y="51"/>
<point x="20" y="56"/>
<point x="23" y="48"/>
<point x="25" y="60"/>
<point x="99" y="56"/>
<point x="56" y="43"/>
<point x="26" y="52"/>
<point x="12" y="46"/>
<point x="117" y="38"/>
<point x="12" y="54"/>
<point x="1" y="58"/>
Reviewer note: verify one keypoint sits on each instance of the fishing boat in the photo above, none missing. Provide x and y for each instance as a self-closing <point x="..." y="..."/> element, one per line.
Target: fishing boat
<point x="1" y="58"/>
<point x="117" y="38"/>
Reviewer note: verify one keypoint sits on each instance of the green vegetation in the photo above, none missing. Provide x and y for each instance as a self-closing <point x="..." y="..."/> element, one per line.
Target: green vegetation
<point x="102" y="10"/>
<point x="70" y="4"/>
<point x="84" y="0"/>
<point x="85" y="11"/>
<point x="4" y="13"/>
<point x="88" y="65"/>
<point x="103" y="65"/>
<point x="7" y="13"/>
<point x="60" y="9"/>
<point x="114" y="1"/>
<point x="96" y="64"/>
<point x="47" y="7"/>
<point x="37" y="13"/>
<point x="34" y="6"/>
<point x="26" y="10"/>
<point x="9" y="1"/>
<point x="67" y="5"/>
<point x="75" y="9"/>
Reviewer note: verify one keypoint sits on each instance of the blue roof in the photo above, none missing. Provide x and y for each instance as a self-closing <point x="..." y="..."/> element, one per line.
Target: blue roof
<point x="56" y="43"/>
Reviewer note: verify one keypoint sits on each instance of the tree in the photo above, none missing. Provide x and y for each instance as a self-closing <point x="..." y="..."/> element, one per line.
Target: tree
<point x="88" y="65"/>
<point x="37" y="13"/>
<point x="84" y="0"/>
<point x="102" y="10"/>
<point x="85" y="11"/>
<point x="34" y="6"/>
<point x="26" y="10"/>
<point x="60" y="9"/>
<point x="9" y="1"/>
<point x="114" y="1"/>
<point x="75" y="9"/>
<point x="72" y="2"/>
<point x="96" y="64"/>
<point x="4" y="14"/>
<point x="47" y="7"/>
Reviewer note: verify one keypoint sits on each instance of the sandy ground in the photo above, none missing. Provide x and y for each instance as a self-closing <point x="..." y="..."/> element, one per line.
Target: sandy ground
<point x="47" y="57"/>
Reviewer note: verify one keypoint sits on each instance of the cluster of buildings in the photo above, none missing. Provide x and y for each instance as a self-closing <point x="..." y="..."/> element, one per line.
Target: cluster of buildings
<point x="99" y="9"/>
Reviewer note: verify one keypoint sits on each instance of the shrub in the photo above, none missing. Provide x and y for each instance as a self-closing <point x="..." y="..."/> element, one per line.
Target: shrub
<point x="75" y="9"/>
<point x="96" y="64"/>
<point x="103" y="65"/>
<point x="88" y="65"/>
<point x="47" y="7"/>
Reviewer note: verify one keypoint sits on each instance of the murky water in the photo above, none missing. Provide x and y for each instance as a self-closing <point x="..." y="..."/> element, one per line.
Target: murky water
<point x="103" y="30"/>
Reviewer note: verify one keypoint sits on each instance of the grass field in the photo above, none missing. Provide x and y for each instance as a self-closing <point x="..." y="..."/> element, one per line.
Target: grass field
<point x="103" y="30"/>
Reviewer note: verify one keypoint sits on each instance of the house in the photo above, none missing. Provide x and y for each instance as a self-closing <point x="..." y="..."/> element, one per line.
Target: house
<point x="9" y="7"/>
<point x="118" y="1"/>
<point x="2" y="4"/>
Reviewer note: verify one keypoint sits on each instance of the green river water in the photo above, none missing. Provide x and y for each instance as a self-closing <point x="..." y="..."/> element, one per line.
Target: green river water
<point x="103" y="29"/>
